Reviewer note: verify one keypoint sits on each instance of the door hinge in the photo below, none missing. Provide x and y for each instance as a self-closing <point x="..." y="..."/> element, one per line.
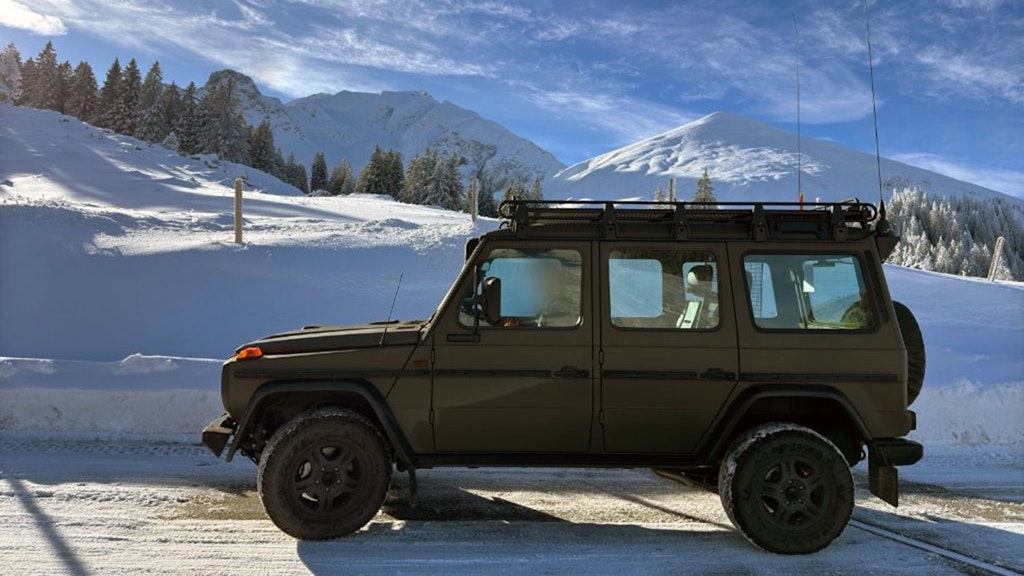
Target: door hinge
<point x="600" y="416"/>
<point x="431" y="416"/>
<point x="433" y="355"/>
<point x="600" y="356"/>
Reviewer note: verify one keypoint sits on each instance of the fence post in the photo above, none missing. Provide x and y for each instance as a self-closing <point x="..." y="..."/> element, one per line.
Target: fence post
<point x="238" y="210"/>
<point x="474" y="199"/>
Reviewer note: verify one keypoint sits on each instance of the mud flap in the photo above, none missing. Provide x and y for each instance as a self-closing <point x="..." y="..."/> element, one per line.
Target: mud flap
<point x="883" y="458"/>
<point x="883" y="480"/>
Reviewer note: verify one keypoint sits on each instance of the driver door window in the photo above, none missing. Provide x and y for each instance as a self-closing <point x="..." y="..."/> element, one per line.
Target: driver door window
<point x="539" y="289"/>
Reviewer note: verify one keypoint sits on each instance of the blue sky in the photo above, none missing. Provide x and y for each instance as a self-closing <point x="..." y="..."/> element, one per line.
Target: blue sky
<point x="581" y="78"/>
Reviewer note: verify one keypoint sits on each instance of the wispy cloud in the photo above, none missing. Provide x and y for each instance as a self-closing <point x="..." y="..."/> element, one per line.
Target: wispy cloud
<point x="17" y="15"/>
<point x="1006" y="181"/>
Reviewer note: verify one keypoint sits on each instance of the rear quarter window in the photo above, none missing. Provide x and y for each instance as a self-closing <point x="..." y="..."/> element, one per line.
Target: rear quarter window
<point x="808" y="292"/>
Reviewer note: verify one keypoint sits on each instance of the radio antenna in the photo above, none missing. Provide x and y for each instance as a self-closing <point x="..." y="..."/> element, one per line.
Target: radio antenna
<point x="392" y="310"/>
<point x="874" y="111"/>
<point x="799" y="149"/>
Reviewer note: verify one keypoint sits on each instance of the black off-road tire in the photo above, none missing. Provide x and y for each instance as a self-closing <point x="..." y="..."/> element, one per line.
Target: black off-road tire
<point x="786" y="488"/>
<point x="324" y="474"/>
<point x="913" y="340"/>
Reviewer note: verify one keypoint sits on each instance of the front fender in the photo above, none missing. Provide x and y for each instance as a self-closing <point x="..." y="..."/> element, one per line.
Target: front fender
<point x="272" y="390"/>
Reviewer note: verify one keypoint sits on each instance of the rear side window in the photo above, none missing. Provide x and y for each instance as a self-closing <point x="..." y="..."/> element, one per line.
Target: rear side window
<point x="808" y="292"/>
<point x="670" y="289"/>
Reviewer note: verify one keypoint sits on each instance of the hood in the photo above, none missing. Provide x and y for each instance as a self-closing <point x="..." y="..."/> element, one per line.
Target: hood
<point x="321" y="338"/>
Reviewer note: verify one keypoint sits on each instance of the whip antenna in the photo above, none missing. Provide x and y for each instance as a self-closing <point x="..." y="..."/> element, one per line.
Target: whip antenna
<point x="799" y="150"/>
<point x="874" y="111"/>
<point x="393" y="300"/>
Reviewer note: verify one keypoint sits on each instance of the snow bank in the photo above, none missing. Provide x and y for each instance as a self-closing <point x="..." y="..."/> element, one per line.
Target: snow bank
<point x="152" y="397"/>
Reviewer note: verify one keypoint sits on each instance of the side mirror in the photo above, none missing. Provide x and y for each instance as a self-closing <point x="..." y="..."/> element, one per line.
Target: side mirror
<point x="491" y="297"/>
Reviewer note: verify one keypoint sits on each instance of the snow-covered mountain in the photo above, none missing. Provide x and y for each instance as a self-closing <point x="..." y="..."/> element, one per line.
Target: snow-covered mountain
<point x="745" y="159"/>
<point x="348" y="125"/>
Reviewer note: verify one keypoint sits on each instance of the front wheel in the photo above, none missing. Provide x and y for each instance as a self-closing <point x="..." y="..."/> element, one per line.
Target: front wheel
<point x="324" y="474"/>
<point x="788" y="489"/>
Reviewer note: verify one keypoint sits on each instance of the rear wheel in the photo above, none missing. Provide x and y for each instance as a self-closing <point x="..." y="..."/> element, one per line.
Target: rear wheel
<point x="324" y="474"/>
<point x="786" y="488"/>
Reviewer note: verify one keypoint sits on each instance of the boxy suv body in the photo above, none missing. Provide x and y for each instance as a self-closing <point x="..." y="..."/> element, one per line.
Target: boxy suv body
<point x="749" y="348"/>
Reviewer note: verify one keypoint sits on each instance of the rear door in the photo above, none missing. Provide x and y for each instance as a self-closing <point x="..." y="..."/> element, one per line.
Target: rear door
<point x="668" y="344"/>
<point x="526" y="383"/>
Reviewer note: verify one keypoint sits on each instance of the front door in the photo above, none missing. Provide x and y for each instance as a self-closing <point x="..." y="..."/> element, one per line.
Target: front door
<point x="668" y="341"/>
<point x="526" y="382"/>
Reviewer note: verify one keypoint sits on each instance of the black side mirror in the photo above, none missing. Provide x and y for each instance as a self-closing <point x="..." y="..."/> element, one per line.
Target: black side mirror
<point x="491" y="297"/>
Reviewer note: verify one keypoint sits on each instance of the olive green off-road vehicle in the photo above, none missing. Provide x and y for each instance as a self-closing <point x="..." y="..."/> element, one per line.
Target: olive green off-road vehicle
<point x="749" y="348"/>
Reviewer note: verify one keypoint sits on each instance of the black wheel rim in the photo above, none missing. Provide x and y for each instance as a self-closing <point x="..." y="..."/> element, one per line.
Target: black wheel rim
<point x="327" y="476"/>
<point x="793" y="492"/>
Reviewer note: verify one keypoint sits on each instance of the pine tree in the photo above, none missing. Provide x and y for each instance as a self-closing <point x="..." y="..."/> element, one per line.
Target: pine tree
<point x="486" y="206"/>
<point x="418" y="186"/>
<point x="27" y="76"/>
<point x="394" y="173"/>
<point x="705" y="191"/>
<point x="83" y="98"/>
<point x="341" y="182"/>
<point x="43" y="89"/>
<point x="659" y="195"/>
<point x="63" y="87"/>
<point x="128" y="118"/>
<point x="277" y="168"/>
<point x="318" y="178"/>
<point x="262" y="152"/>
<point x="535" y="193"/>
<point x="151" y="126"/>
<point x="302" y="179"/>
<point x="224" y="130"/>
<point x="514" y="190"/>
<point x="166" y="118"/>
<point x="188" y="125"/>
<point x="10" y="74"/>
<point x="110" y="97"/>
<point x="383" y="174"/>
<point x="295" y="174"/>
<point x="451" y="189"/>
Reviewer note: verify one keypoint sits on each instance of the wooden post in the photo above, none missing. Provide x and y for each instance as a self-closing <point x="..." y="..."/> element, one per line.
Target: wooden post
<point x="238" y="210"/>
<point x="474" y="199"/>
<point x="997" y="254"/>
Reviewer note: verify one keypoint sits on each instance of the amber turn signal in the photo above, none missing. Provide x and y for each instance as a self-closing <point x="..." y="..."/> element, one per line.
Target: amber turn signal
<point x="251" y="352"/>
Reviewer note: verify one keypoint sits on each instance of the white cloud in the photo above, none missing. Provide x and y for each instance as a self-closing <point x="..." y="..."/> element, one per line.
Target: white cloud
<point x="17" y="15"/>
<point x="1002" y="180"/>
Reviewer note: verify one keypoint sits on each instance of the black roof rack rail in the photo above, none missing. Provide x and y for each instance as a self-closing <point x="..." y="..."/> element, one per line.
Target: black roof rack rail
<point x="760" y="220"/>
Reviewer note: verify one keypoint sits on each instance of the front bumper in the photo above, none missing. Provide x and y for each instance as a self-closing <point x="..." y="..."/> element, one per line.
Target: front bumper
<point x="884" y="455"/>
<point x="217" y="433"/>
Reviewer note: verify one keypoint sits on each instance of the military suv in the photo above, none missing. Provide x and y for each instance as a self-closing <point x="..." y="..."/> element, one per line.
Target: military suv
<point x="749" y="348"/>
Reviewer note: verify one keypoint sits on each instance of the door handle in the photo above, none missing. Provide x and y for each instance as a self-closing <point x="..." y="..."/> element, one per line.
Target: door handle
<point x="717" y="374"/>
<point x="570" y="372"/>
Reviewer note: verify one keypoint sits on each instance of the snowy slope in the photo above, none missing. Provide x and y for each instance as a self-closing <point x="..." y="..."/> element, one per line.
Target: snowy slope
<point x="111" y="247"/>
<point x="745" y="159"/>
<point x="348" y="125"/>
<point x="119" y="277"/>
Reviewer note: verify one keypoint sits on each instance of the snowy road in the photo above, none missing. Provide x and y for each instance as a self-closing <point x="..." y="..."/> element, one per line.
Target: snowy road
<point x="86" y="507"/>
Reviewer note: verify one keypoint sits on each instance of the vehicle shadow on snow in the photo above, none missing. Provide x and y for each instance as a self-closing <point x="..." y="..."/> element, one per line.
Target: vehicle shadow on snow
<point x="978" y="541"/>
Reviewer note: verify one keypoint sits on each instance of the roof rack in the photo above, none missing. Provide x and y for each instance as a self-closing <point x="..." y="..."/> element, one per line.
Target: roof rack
<point x="692" y="220"/>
